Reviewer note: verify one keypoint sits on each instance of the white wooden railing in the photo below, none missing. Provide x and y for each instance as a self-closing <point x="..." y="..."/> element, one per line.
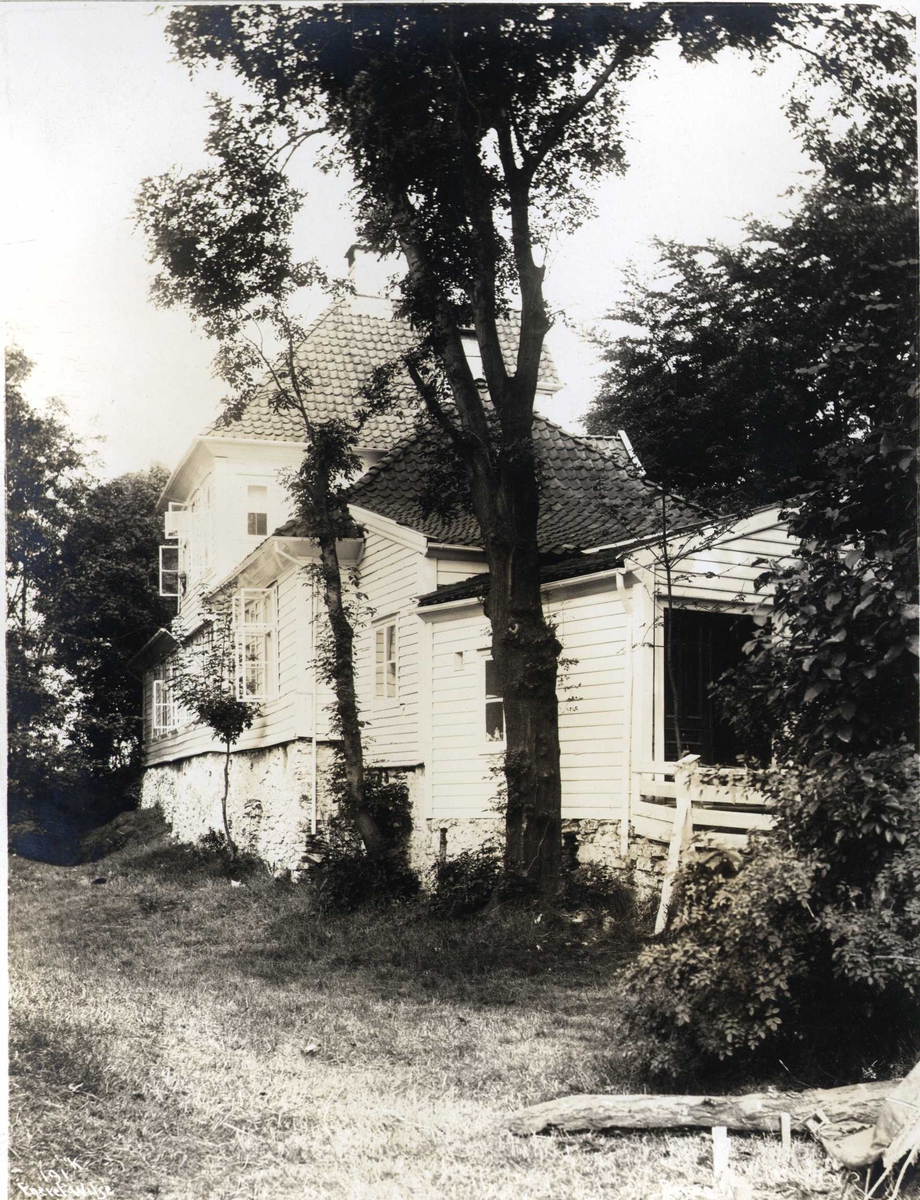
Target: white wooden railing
<point x="722" y="804"/>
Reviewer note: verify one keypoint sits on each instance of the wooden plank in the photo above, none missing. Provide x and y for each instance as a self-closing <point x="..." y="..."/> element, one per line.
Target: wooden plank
<point x="680" y="838"/>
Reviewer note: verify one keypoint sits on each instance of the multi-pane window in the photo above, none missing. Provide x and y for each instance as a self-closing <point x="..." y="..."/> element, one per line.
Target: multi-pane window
<point x="168" y="713"/>
<point x="257" y="510"/>
<point x="494" y="704"/>
<point x="170" y="572"/>
<point x="386" y="663"/>
<point x="256" y="636"/>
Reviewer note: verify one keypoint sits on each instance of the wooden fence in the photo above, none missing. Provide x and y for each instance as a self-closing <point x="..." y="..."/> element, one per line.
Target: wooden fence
<point x="721" y="801"/>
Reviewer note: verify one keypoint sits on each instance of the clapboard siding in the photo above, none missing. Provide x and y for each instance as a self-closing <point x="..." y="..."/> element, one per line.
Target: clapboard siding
<point x="592" y="709"/>
<point x="390" y="579"/>
<point x="453" y="570"/>
<point x="727" y="570"/>
<point x="285" y="717"/>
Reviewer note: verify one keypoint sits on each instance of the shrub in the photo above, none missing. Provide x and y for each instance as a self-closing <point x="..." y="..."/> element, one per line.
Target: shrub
<point x="598" y="889"/>
<point x="463" y="885"/>
<point x="809" y="952"/>
<point x="347" y="879"/>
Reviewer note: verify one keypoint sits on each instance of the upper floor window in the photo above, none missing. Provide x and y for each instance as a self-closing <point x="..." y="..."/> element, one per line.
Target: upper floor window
<point x="170" y="571"/>
<point x="703" y="646"/>
<point x="386" y="662"/>
<point x="255" y="625"/>
<point x="257" y="510"/>
<point x="494" y="704"/>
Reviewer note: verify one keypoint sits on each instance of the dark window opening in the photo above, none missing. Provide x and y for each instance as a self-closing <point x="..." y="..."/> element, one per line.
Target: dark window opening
<point x="704" y="645"/>
<point x="257" y="523"/>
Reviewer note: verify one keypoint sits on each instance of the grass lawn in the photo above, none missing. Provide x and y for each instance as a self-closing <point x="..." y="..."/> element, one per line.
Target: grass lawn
<point x="175" y="1036"/>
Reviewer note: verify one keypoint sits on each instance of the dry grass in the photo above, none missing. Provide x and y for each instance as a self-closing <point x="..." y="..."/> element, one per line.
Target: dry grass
<point x="176" y="1036"/>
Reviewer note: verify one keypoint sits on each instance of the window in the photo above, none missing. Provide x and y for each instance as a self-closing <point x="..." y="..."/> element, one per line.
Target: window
<point x="256" y="635"/>
<point x="168" y="713"/>
<point x="386" y="662"/>
<point x="494" y="705"/>
<point x="257" y="510"/>
<point x="704" y="645"/>
<point x="170" y="574"/>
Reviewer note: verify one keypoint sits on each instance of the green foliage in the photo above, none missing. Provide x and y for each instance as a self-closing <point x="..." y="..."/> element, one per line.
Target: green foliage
<point x="81" y="597"/>
<point x="808" y="954"/>
<point x="46" y="485"/>
<point x="595" y="888"/>
<point x="463" y="885"/>
<point x="347" y="878"/>
<point x="745" y="364"/>
<point x="205" y="682"/>
<point x="103" y="607"/>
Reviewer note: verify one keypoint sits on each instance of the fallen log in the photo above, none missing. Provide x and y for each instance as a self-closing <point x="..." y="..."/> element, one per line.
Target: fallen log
<point x="759" y="1111"/>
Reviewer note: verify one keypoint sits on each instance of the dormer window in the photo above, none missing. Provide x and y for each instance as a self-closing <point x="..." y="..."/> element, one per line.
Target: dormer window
<point x="257" y="511"/>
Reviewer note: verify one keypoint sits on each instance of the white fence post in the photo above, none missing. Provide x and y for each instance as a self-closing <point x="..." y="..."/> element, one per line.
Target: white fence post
<point x="687" y="787"/>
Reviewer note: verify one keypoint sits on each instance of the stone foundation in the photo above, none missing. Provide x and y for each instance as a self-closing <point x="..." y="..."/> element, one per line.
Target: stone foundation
<point x="269" y="810"/>
<point x="595" y="842"/>
<point x="269" y="804"/>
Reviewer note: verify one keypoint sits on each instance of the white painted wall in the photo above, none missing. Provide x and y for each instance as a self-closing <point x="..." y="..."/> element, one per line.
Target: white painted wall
<point x="285" y="717"/>
<point x="464" y="771"/>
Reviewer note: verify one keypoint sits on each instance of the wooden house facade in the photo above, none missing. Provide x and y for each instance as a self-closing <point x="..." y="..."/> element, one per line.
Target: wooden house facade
<point x="431" y="703"/>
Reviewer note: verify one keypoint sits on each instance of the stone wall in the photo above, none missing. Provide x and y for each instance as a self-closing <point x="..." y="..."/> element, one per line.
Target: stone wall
<point x="595" y="841"/>
<point x="269" y="804"/>
<point x="269" y="812"/>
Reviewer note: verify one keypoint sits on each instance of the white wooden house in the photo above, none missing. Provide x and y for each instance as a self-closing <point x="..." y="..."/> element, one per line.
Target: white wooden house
<point x="430" y="701"/>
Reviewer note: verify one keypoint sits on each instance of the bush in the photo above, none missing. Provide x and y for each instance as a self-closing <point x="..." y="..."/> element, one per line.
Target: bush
<point x="809" y="953"/>
<point x="594" y="888"/>
<point x="463" y="885"/>
<point x="347" y="879"/>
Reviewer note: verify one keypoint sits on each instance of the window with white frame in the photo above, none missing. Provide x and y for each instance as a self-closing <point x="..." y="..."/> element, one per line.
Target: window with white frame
<point x="257" y="510"/>
<point x="386" y="662"/>
<point x="255" y="623"/>
<point x="168" y="713"/>
<point x="494" y="705"/>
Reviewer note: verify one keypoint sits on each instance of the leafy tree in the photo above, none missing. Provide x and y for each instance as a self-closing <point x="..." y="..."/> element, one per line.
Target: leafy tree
<point x="46" y="484"/>
<point x="751" y="360"/>
<point x="103" y="606"/>
<point x="821" y="923"/>
<point x="473" y="133"/>
<point x="204" y="684"/>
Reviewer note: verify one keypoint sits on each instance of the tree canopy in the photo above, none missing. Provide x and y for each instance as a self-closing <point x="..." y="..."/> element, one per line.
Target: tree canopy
<point x="473" y="134"/>
<point x="746" y="362"/>
<point x="102" y="606"/>
<point x="81" y="598"/>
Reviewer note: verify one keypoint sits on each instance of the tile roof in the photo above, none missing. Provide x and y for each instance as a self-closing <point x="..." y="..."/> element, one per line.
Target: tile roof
<point x="588" y="497"/>
<point x="296" y="528"/>
<point x="550" y="572"/>
<point x="339" y="351"/>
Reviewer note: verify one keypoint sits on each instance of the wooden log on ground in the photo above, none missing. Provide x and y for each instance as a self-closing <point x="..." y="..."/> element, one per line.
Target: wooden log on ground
<point x="759" y="1111"/>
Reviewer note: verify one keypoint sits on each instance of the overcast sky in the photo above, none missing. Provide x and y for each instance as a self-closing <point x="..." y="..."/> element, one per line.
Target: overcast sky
<point x="92" y="104"/>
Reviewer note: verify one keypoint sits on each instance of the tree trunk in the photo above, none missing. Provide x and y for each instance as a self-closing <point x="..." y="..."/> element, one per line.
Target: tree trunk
<point x="758" y="1111"/>
<point x="525" y="651"/>
<point x="231" y="845"/>
<point x="346" y="701"/>
<point x="495" y="442"/>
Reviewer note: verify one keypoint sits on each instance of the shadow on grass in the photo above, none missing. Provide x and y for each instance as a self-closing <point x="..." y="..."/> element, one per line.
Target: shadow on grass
<point x="276" y="932"/>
